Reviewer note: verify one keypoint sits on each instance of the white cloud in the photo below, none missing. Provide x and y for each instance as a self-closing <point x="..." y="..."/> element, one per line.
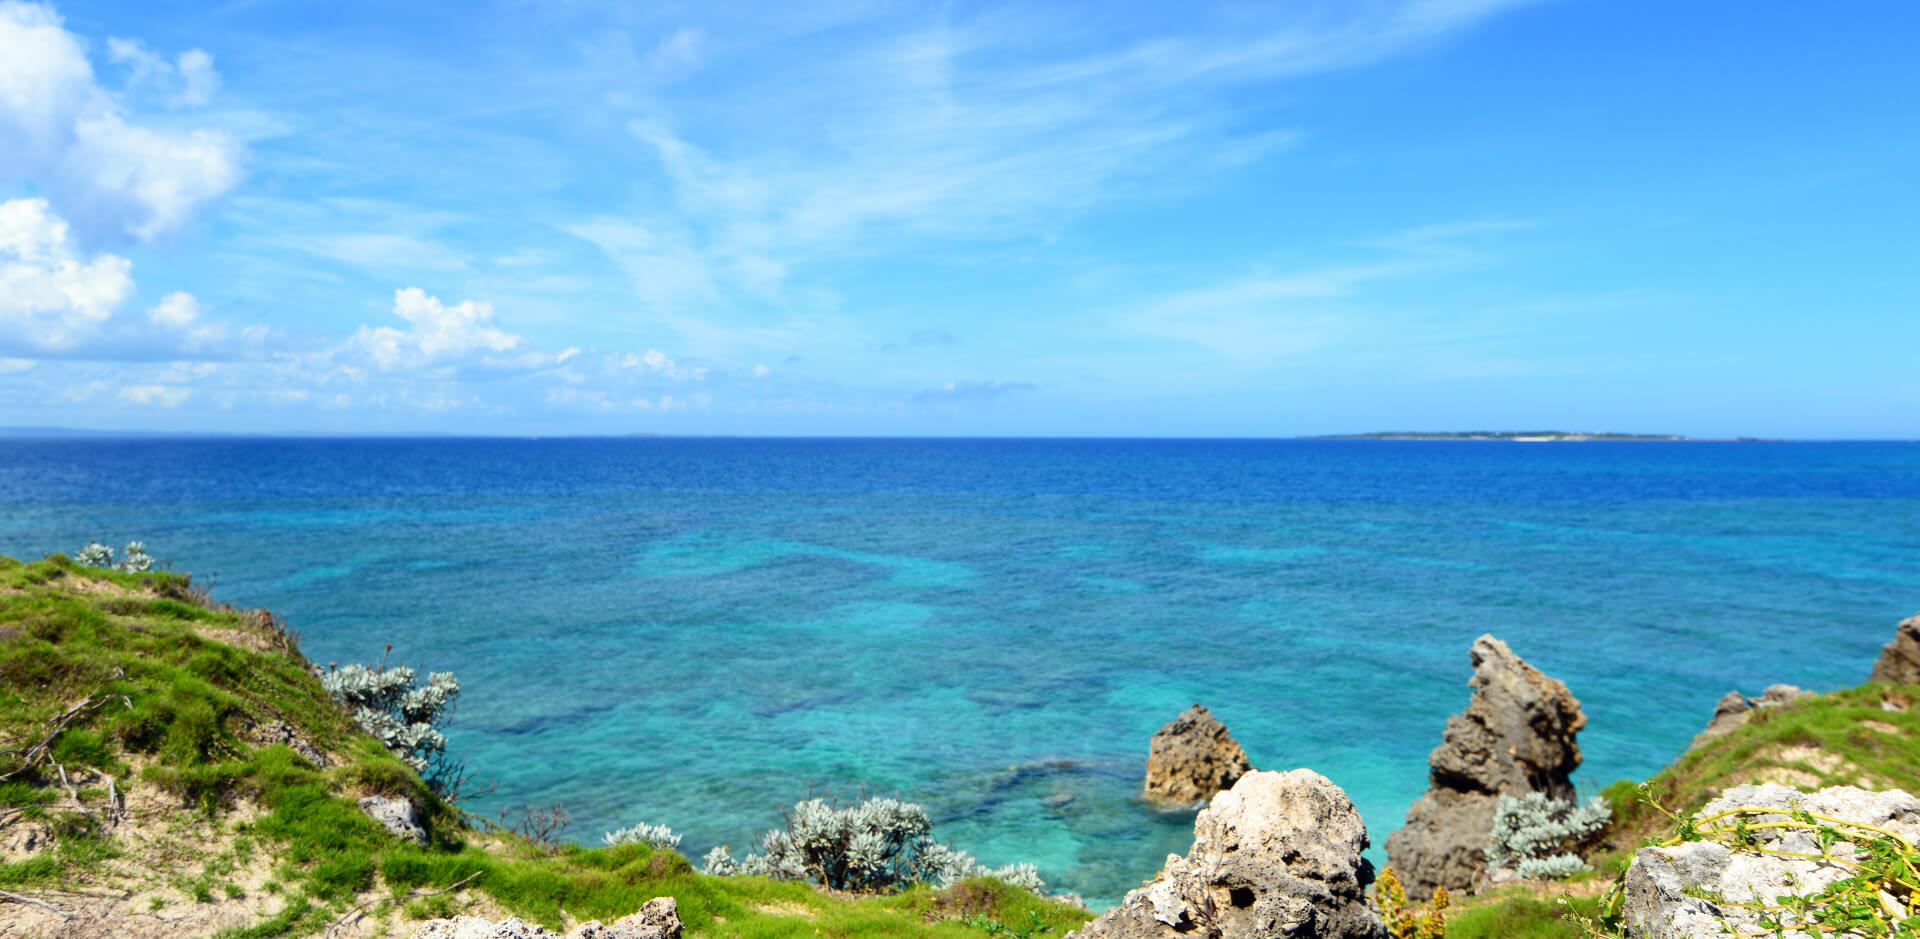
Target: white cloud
<point x="188" y="81"/>
<point x="8" y="366"/>
<point x="51" y="297"/>
<point x="55" y="299"/>
<point x="761" y="371"/>
<point x="1001" y="125"/>
<point x="655" y="361"/>
<point x="166" y="396"/>
<point x="62" y="130"/>
<point x="438" y="334"/>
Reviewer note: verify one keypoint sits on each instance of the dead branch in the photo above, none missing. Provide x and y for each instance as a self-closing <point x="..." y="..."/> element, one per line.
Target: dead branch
<point x="39" y="903"/>
<point x="416" y="895"/>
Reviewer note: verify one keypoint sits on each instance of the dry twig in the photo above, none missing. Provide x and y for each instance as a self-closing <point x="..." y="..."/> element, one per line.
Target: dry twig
<point x="416" y="895"/>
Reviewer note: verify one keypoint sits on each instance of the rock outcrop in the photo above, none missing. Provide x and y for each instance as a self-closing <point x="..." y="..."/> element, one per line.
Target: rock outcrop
<point x="1193" y="757"/>
<point x="1899" y="661"/>
<point x="659" y="919"/>
<point x="1276" y="855"/>
<point x="1516" y="736"/>
<point x="1734" y="710"/>
<point x="1666" y="888"/>
<point x="397" y="815"/>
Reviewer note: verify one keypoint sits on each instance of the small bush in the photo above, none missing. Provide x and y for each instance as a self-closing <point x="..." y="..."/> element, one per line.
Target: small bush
<point x="1538" y="837"/>
<point x="657" y="836"/>
<point x="134" y="557"/>
<point x="880" y="844"/>
<point x="404" y="716"/>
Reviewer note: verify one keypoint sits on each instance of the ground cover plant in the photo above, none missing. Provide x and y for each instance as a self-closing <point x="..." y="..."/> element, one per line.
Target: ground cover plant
<point x="177" y="764"/>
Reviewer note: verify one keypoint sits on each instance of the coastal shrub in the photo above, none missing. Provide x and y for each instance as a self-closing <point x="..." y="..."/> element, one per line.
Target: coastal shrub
<point x="1538" y="837"/>
<point x="657" y="836"/>
<point x="880" y="844"/>
<point x="719" y="862"/>
<point x="402" y="714"/>
<point x="134" y="557"/>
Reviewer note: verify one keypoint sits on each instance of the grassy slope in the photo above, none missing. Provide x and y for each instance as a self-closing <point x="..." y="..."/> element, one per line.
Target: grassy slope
<point x="1847" y="738"/>
<point x="182" y="684"/>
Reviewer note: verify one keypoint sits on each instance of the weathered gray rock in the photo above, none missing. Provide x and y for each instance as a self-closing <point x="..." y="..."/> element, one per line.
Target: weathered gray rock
<point x="1658" y="905"/>
<point x="1516" y="736"/>
<point x="1735" y="709"/>
<point x="1276" y="855"/>
<point x="1193" y="757"/>
<point x="397" y="814"/>
<point x="1899" y="661"/>
<point x="658" y="919"/>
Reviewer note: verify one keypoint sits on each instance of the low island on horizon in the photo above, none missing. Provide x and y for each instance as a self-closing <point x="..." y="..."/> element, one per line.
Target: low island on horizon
<point x="1526" y="436"/>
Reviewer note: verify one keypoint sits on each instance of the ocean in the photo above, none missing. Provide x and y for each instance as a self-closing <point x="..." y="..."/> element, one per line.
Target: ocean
<point x="698" y="632"/>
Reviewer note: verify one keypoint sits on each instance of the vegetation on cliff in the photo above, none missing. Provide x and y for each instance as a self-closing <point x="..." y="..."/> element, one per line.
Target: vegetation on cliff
<point x="170" y="766"/>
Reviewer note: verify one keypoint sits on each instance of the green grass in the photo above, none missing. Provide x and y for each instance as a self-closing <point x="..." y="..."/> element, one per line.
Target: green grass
<point x="1846" y="738"/>
<point x="174" y="709"/>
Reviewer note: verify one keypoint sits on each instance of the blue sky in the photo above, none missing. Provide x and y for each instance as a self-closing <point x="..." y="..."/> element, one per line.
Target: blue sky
<point x="874" y="218"/>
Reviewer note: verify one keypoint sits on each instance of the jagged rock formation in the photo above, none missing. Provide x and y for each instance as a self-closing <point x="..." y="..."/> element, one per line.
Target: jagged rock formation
<point x="1516" y="736"/>
<point x="1193" y="757"/>
<point x="1658" y="903"/>
<point x="659" y="919"/>
<point x="1733" y="710"/>
<point x="398" y="815"/>
<point x="1276" y="855"/>
<point x="1899" y="661"/>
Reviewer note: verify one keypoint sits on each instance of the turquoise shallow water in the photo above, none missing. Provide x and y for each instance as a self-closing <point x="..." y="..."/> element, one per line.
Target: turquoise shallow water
<point x="696" y="632"/>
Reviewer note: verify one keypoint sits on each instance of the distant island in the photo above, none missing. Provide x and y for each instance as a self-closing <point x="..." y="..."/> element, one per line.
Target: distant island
<point x="1526" y="436"/>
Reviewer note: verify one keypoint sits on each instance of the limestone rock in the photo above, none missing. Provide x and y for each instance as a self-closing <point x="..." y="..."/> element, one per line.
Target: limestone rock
<point x="397" y="814"/>
<point x="1193" y="757"/>
<point x="1278" y="854"/>
<point x="1899" y="662"/>
<point x="1657" y="903"/>
<point x="1734" y="709"/>
<point x="658" y="919"/>
<point x="1516" y="736"/>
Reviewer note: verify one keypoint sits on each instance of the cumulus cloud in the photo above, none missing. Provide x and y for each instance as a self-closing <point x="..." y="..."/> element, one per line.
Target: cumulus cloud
<point x="958" y="392"/>
<point x="439" y="335"/>
<point x="166" y="396"/>
<point x="657" y="362"/>
<point x="112" y="176"/>
<point x="188" y="81"/>
<point x="51" y="296"/>
<point x="58" y="300"/>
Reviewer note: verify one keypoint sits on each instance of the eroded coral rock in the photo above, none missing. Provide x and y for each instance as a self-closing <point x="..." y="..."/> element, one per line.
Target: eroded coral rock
<point x="658" y="919"/>
<point x="1899" y="661"/>
<point x="1193" y="757"/>
<point x="1734" y="710"/>
<point x="397" y="815"/>
<point x="1278" y="854"/>
<point x="1670" y="891"/>
<point x="1516" y="736"/>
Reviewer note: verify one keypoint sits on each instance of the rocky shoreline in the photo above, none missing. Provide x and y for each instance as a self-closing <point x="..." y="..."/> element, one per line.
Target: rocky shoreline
<point x="1279" y="854"/>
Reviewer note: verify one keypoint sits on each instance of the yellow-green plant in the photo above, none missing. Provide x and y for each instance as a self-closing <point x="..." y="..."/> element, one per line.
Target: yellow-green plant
<point x="1407" y="920"/>
<point x="1875" y="901"/>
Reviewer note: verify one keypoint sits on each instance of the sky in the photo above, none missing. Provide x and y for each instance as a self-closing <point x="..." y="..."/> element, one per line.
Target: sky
<point x="867" y="218"/>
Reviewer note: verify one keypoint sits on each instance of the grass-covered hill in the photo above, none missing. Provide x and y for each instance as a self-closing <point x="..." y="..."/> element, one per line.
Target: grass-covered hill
<point x="173" y="767"/>
<point x="1867" y="736"/>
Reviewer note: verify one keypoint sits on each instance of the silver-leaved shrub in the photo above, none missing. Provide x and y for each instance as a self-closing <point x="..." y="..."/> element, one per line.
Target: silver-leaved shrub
<point x="403" y="715"/>
<point x="1537" y="837"/>
<point x="659" y="836"/>
<point x="879" y="844"/>
<point x="134" y="560"/>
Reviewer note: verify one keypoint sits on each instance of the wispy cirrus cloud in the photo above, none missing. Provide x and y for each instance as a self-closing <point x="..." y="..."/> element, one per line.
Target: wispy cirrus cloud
<point x="966" y="392"/>
<point x="1003" y="125"/>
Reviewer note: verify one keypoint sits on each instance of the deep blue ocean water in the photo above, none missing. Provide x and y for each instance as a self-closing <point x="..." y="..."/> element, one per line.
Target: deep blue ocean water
<point x="697" y="632"/>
